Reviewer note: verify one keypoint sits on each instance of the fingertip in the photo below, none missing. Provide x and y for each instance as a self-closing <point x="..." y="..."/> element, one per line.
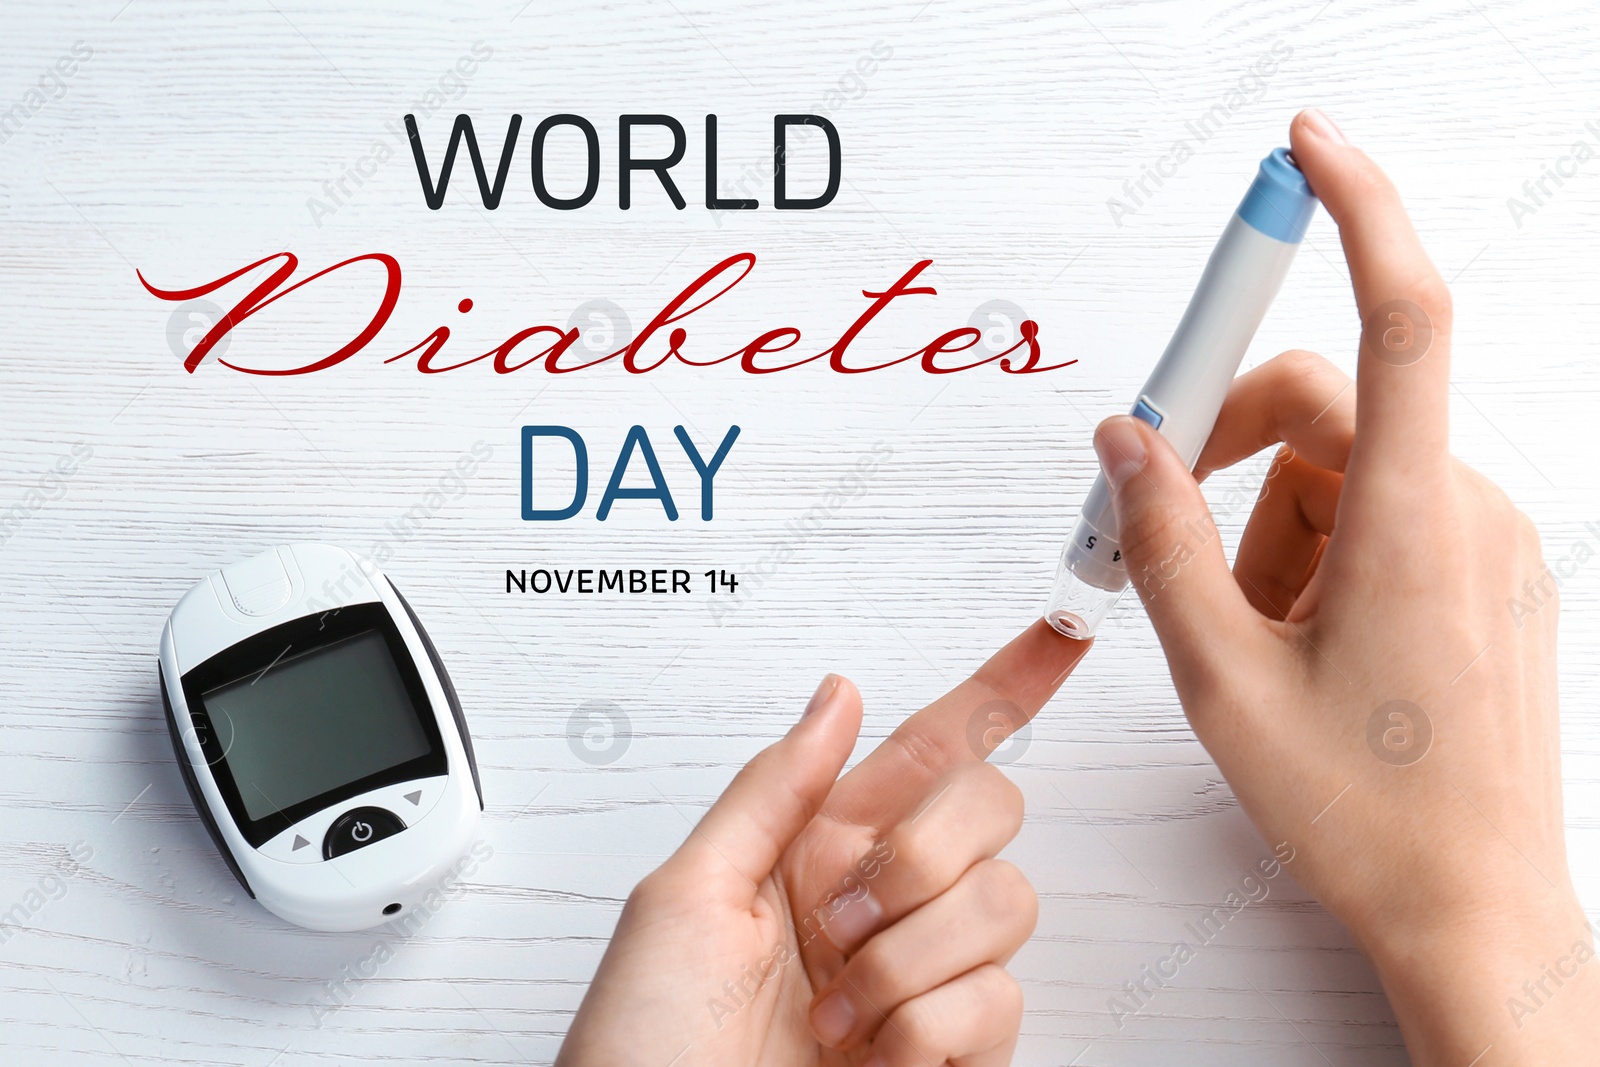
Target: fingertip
<point x="1316" y="143"/>
<point x="835" y="705"/>
<point x="1135" y="456"/>
<point x="823" y="696"/>
<point x="775" y="795"/>
<point x="848" y="690"/>
<point x="1403" y="303"/>
<point x="1347" y="181"/>
<point x="1323" y="153"/>
<point x="833" y="1018"/>
<point x="846" y="696"/>
<point x="1122" y="447"/>
<point x="1315" y="123"/>
<point x="1173" y="552"/>
<point x="1057" y="652"/>
<point x="1032" y="666"/>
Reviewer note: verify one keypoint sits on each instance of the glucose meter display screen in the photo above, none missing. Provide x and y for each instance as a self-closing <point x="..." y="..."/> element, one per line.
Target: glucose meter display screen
<point x="314" y="722"/>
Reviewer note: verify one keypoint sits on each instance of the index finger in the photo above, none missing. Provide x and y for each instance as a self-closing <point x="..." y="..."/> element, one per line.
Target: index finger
<point x="1013" y="684"/>
<point x="1403" y="373"/>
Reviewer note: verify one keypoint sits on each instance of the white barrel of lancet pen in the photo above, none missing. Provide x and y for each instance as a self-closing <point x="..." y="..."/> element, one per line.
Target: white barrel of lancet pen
<point x="1184" y="393"/>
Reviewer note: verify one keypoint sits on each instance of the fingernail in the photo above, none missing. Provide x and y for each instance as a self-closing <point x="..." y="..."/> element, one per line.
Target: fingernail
<point x="876" y="1061"/>
<point x="854" y="922"/>
<point x="833" y="1018"/>
<point x="1325" y="127"/>
<point x="1120" y="448"/>
<point x="822" y="695"/>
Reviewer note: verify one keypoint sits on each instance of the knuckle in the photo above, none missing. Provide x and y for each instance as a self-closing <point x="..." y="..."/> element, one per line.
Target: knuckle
<point x="1006" y="894"/>
<point x="1310" y="386"/>
<point x="764" y="766"/>
<point x="1432" y="295"/>
<point x="1009" y="794"/>
<point x="918" y="871"/>
<point x="922" y="1022"/>
<point x="992" y="999"/>
<point x="1300" y="364"/>
<point x="922" y="749"/>
<point x="1002" y="995"/>
<point x="1527" y="533"/>
<point x="981" y="781"/>
<point x="1493" y="511"/>
<point x="771" y="761"/>
<point x="874" y="970"/>
<point x="1286" y="467"/>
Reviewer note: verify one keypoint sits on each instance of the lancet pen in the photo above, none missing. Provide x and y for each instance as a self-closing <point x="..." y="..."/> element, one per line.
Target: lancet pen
<point x="1184" y="393"/>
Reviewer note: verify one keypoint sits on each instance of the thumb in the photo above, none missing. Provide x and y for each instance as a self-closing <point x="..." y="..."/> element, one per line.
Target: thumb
<point x="1173" y="552"/>
<point x="774" y="796"/>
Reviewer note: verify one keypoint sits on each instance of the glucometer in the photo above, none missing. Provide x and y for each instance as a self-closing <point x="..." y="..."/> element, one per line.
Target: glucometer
<point x="319" y="736"/>
<point x="1184" y="393"/>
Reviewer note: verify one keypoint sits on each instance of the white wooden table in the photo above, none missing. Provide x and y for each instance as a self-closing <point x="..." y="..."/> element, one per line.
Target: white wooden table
<point x="189" y="143"/>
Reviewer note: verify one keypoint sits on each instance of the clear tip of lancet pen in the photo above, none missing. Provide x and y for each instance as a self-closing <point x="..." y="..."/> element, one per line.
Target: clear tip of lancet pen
<point x="1077" y="607"/>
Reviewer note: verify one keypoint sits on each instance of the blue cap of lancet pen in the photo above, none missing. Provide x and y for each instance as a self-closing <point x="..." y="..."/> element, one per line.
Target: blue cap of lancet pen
<point x="1279" y="202"/>
<point x="1181" y="398"/>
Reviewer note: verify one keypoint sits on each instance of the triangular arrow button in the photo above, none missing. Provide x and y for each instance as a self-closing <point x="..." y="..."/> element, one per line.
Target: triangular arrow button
<point x="299" y="843"/>
<point x="415" y="796"/>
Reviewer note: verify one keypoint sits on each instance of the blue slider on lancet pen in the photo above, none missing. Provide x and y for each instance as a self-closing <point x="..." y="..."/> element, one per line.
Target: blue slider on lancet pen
<point x="1184" y="393"/>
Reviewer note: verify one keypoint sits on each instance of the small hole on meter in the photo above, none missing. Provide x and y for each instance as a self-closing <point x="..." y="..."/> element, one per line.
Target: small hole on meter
<point x="391" y="909"/>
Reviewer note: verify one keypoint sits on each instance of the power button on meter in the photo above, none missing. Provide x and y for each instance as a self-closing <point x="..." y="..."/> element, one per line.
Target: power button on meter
<point x="358" y="828"/>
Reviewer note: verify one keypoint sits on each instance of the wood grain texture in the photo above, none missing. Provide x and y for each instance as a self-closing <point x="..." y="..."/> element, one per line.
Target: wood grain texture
<point x="989" y="141"/>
